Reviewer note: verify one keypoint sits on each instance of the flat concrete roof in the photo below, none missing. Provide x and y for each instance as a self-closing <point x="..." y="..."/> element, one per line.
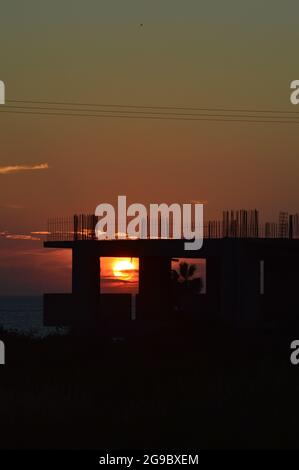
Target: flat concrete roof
<point x="175" y="248"/>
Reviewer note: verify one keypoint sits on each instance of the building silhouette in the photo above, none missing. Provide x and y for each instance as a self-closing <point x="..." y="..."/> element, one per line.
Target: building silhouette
<point x="251" y="275"/>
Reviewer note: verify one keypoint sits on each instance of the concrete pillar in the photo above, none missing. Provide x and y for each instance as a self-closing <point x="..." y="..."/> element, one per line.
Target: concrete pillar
<point x="249" y="301"/>
<point x="213" y="274"/>
<point x="155" y="285"/>
<point x="281" y="280"/>
<point x="86" y="272"/>
<point x="228" y="283"/>
<point x="86" y="288"/>
<point x="240" y="283"/>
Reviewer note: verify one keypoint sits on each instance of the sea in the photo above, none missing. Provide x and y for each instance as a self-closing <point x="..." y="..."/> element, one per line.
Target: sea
<point x="24" y="314"/>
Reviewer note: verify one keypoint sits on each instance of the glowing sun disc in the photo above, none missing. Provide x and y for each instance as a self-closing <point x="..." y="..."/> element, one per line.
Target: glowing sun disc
<point x="122" y="269"/>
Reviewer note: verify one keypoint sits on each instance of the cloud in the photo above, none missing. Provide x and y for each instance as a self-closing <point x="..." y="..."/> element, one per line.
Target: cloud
<point x="113" y="279"/>
<point x="41" y="233"/>
<point x="195" y="201"/>
<point x="18" y="236"/>
<point x="6" y="170"/>
<point x="32" y="236"/>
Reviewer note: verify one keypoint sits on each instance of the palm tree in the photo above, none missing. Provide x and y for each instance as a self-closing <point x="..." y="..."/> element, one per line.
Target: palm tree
<point x="187" y="271"/>
<point x="184" y="278"/>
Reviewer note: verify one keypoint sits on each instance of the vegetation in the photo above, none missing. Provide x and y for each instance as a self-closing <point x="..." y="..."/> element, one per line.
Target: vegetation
<point x="185" y="279"/>
<point x="188" y="386"/>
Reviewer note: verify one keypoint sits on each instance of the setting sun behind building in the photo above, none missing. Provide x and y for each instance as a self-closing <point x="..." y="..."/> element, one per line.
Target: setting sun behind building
<point x="124" y="268"/>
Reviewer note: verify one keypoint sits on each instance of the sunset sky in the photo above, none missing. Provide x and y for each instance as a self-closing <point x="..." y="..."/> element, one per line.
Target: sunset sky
<point x="206" y="54"/>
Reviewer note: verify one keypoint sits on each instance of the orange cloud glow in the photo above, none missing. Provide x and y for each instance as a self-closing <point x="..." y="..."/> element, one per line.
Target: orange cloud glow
<point x="5" y="170"/>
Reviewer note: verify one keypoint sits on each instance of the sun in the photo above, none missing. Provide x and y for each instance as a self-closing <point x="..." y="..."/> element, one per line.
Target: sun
<point x="123" y="269"/>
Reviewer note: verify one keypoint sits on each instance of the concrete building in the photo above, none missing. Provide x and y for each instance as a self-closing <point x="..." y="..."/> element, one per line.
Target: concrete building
<point x="249" y="282"/>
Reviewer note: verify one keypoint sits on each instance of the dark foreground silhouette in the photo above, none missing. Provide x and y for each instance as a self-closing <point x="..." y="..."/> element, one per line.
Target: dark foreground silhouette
<point x="190" y="388"/>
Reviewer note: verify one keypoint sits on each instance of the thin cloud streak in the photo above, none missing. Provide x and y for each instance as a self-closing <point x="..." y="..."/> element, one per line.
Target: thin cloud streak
<point x="195" y="201"/>
<point x="6" y="170"/>
<point x="18" y="236"/>
<point x="42" y="232"/>
<point x="22" y="237"/>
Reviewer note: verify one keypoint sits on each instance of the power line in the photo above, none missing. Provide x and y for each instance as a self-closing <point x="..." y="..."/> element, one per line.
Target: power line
<point x="147" y="112"/>
<point x="125" y="116"/>
<point x="186" y="108"/>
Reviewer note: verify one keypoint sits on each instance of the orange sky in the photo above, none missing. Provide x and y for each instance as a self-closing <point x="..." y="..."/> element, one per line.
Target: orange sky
<point x="231" y="55"/>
